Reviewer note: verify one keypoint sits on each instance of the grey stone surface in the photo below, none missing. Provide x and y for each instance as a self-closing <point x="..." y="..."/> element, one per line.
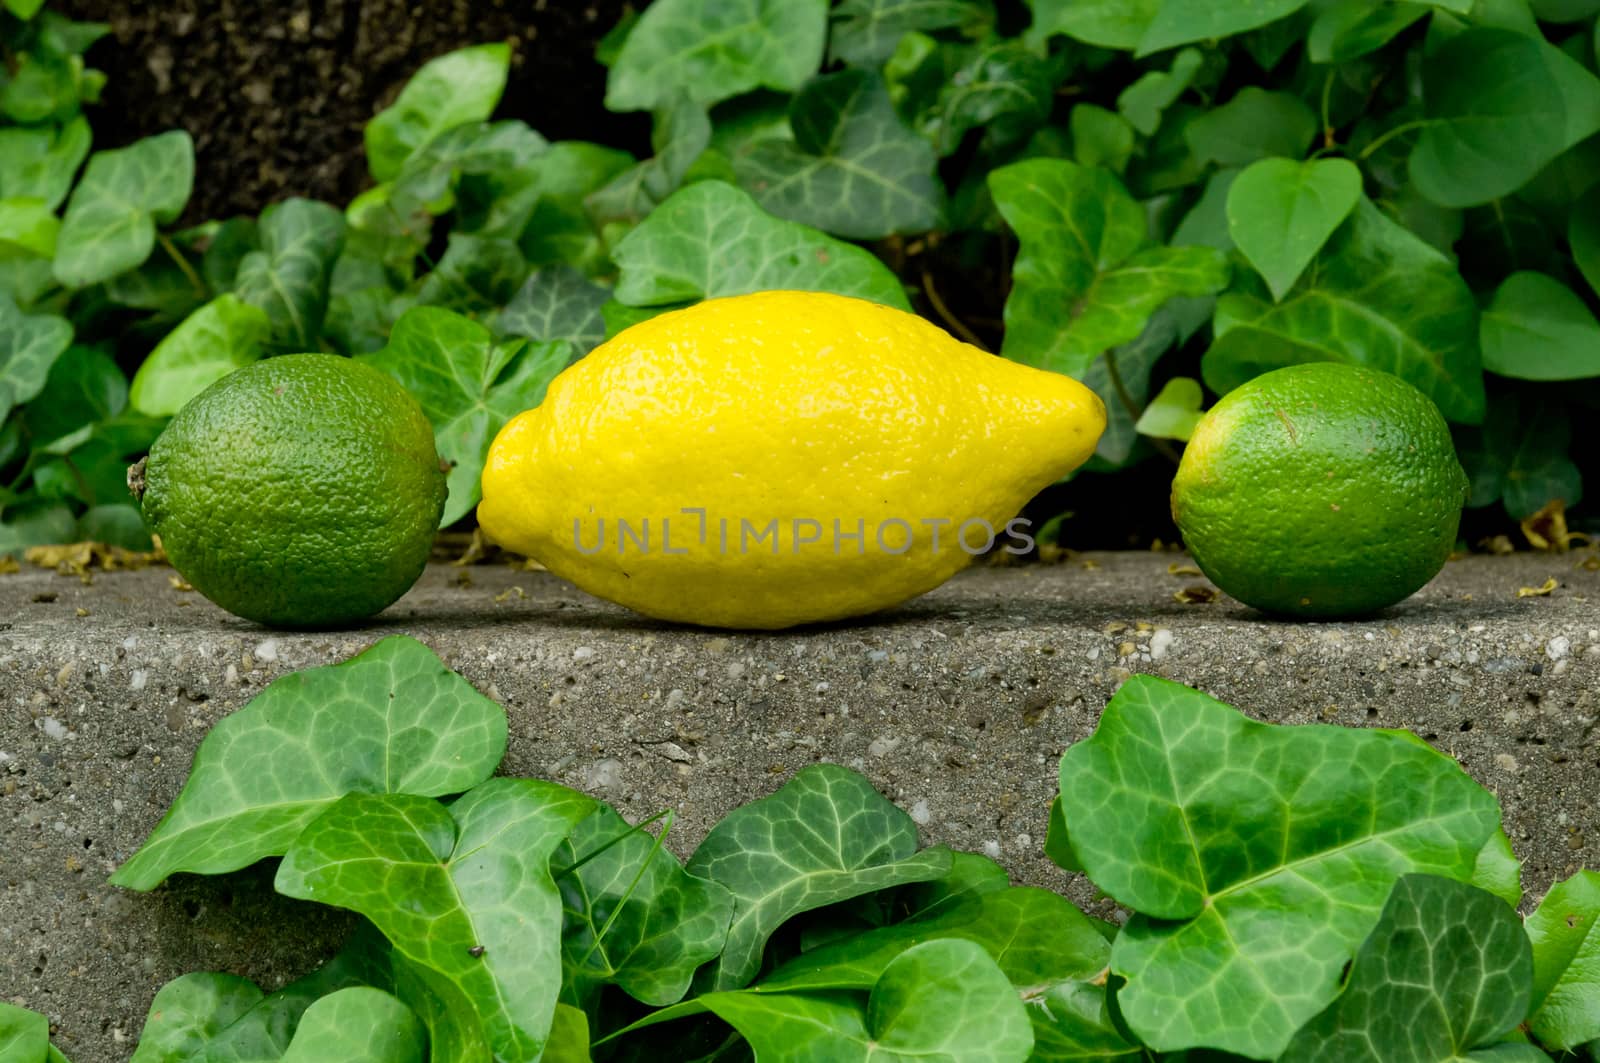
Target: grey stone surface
<point x="957" y="705"/>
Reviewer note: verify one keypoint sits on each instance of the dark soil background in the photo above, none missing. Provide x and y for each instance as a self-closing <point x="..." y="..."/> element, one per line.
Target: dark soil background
<point x="275" y="92"/>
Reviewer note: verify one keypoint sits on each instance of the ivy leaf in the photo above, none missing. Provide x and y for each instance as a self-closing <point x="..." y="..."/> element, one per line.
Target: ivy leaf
<point x="192" y="1011"/>
<point x="504" y="153"/>
<point x="368" y="288"/>
<point x="392" y="719"/>
<point x="24" y="1034"/>
<point x="1444" y="973"/>
<point x="358" y="1025"/>
<point x="1583" y="233"/>
<point x="761" y="116"/>
<point x="865" y="32"/>
<point x="233" y="240"/>
<point x="1072" y="1022"/>
<point x="1439" y="226"/>
<point x="29" y="346"/>
<point x="1174" y="412"/>
<point x="454" y="89"/>
<point x="288" y="278"/>
<point x="67" y="37"/>
<point x="384" y="234"/>
<point x="825" y="837"/>
<point x="971" y="877"/>
<point x="1143" y="102"/>
<point x="1257" y="856"/>
<point x="633" y="916"/>
<point x="1103" y="23"/>
<point x="559" y="229"/>
<point x="1100" y="137"/>
<point x="161" y="286"/>
<point x="110" y="224"/>
<point x="710" y="239"/>
<point x="1281" y="213"/>
<point x="1268" y="44"/>
<point x="206" y="1017"/>
<point x="1348" y="29"/>
<point x="619" y="317"/>
<point x="37" y="525"/>
<point x="475" y="275"/>
<point x="223" y="335"/>
<point x="455" y="1032"/>
<point x="1520" y="456"/>
<point x="468" y="385"/>
<point x="24" y="9"/>
<point x="680" y="134"/>
<point x="941" y="1000"/>
<point x="1206" y="223"/>
<point x="709" y="50"/>
<point x="1004" y="89"/>
<point x="1500" y="105"/>
<point x="916" y="75"/>
<point x="556" y="303"/>
<point x="1186" y="21"/>
<point x="569" y="1037"/>
<point x="1083" y="280"/>
<point x="1255" y="124"/>
<point x="1535" y="328"/>
<point x="1377" y="296"/>
<point x="1498" y="870"/>
<point x="1036" y="937"/>
<point x="358" y="321"/>
<point x="496" y="196"/>
<point x="26" y="278"/>
<point x="1564" y="10"/>
<point x="28" y="225"/>
<point x="1058" y="840"/>
<point x="852" y="169"/>
<point x="41" y="85"/>
<point x="464" y="893"/>
<point x="39" y="162"/>
<point x="1565" y="931"/>
<point x="84" y="386"/>
<point x="261" y="1033"/>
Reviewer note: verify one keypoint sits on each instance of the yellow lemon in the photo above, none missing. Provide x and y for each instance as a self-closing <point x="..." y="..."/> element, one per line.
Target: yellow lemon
<point x="780" y="458"/>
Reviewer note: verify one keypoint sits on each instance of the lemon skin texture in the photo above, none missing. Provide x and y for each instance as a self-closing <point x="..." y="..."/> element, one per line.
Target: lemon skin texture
<point x="299" y="492"/>
<point x="778" y="406"/>
<point x="1320" y="490"/>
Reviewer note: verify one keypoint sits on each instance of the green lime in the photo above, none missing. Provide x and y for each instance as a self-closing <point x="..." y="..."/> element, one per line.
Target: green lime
<point x="1320" y="490"/>
<point x="301" y="491"/>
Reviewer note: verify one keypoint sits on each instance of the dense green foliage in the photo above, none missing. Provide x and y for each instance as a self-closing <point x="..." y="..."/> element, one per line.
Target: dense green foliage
<point x="1151" y="194"/>
<point x="1295" y="893"/>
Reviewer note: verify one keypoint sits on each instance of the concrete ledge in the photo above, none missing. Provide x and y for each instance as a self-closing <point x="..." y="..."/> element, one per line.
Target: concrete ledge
<point x="957" y="706"/>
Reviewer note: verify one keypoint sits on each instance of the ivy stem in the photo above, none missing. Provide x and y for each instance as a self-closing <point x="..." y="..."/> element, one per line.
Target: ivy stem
<point x="957" y="326"/>
<point x="665" y="814"/>
<point x="183" y="263"/>
<point x="405" y="230"/>
<point x="1327" y="128"/>
<point x="644" y="865"/>
<point x="1125" y="397"/>
<point x="1399" y="130"/>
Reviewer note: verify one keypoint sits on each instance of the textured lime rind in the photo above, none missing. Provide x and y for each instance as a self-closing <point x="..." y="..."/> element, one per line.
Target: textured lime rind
<point x="299" y="492"/>
<point x="1320" y="490"/>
